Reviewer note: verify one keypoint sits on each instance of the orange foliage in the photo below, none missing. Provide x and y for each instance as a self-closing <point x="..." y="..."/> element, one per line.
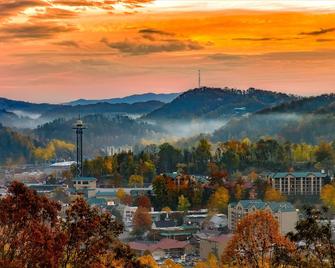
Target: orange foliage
<point x="256" y="238"/>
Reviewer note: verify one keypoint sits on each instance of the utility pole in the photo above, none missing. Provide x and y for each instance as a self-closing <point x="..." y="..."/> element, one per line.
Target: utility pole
<point x="199" y="78"/>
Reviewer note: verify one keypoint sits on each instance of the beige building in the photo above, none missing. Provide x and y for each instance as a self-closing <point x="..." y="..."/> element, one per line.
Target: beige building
<point x="283" y="212"/>
<point x="298" y="183"/>
<point x="86" y="186"/>
<point x="213" y="245"/>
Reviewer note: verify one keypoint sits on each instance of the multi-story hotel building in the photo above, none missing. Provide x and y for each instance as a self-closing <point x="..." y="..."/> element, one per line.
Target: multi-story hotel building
<point x="283" y="212"/>
<point x="298" y="183"/>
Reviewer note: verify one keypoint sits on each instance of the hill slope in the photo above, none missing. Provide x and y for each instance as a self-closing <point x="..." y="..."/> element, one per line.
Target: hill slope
<point x="216" y="103"/>
<point x="309" y="120"/>
<point x="101" y="132"/>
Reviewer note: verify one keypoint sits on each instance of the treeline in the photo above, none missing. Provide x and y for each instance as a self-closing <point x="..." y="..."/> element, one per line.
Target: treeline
<point x="205" y="159"/>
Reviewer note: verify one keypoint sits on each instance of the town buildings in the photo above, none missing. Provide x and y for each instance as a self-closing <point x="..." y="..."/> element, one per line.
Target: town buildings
<point x="283" y="212"/>
<point x="298" y="183"/>
<point x="213" y="245"/>
<point x="162" y="249"/>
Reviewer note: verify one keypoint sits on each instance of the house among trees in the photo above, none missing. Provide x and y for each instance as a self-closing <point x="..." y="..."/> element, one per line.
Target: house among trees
<point x="298" y="183"/>
<point x="164" y="248"/>
<point x="283" y="212"/>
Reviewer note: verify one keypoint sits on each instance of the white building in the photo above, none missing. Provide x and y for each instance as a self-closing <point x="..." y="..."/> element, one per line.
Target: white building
<point x="298" y="183"/>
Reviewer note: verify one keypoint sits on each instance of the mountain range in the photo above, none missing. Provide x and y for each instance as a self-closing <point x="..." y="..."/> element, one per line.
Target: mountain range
<point x="163" y="97"/>
<point x="220" y="113"/>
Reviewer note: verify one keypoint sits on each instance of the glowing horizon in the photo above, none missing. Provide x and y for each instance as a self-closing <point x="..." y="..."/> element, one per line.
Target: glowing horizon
<point x="58" y="50"/>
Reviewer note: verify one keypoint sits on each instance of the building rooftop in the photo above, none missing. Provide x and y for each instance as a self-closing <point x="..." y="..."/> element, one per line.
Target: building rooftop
<point x="164" y="244"/>
<point x="84" y="179"/>
<point x="220" y="239"/>
<point x="96" y="201"/>
<point x="63" y="164"/>
<point x="259" y="204"/>
<point x="279" y="175"/>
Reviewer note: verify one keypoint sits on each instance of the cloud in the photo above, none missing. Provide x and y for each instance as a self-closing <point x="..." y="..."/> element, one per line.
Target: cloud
<point x="96" y="62"/>
<point x="318" y="32"/>
<point x="224" y="57"/>
<point x="137" y="48"/>
<point x="150" y="31"/>
<point x="275" y="56"/>
<point x="325" y="40"/>
<point x="265" y="39"/>
<point x="104" y="4"/>
<point x="33" y="31"/>
<point x="67" y="43"/>
<point x="50" y="13"/>
<point x="12" y="7"/>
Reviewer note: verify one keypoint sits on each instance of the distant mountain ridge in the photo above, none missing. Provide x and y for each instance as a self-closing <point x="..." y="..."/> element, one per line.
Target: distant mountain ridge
<point x="215" y="103"/>
<point x="21" y="114"/>
<point x="308" y="119"/>
<point x="161" y="97"/>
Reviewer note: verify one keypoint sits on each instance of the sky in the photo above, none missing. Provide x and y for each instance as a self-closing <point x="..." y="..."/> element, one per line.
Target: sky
<point x="60" y="50"/>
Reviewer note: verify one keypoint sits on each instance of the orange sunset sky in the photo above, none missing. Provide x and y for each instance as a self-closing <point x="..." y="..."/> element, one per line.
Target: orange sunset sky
<point x="58" y="50"/>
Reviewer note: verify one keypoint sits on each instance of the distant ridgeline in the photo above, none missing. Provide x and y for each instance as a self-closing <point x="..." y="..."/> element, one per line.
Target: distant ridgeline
<point x="223" y="114"/>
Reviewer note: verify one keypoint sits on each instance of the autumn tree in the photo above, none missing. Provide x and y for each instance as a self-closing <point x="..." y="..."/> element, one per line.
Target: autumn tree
<point x="211" y="262"/>
<point x="171" y="264"/>
<point x="144" y="201"/>
<point x="160" y="189"/>
<point x="219" y="200"/>
<point x="148" y="261"/>
<point x="30" y="234"/>
<point x="120" y="194"/>
<point x="315" y="230"/>
<point x="127" y="200"/>
<point x="141" y="221"/>
<point x="91" y="234"/>
<point x="272" y="194"/>
<point x="238" y="191"/>
<point x="183" y="203"/>
<point x="256" y="239"/>
<point x="136" y="181"/>
<point x="328" y="195"/>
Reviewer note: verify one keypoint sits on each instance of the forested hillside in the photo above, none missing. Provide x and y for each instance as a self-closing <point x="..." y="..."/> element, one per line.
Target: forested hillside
<point x="309" y="120"/>
<point x="216" y="103"/>
<point x="102" y="131"/>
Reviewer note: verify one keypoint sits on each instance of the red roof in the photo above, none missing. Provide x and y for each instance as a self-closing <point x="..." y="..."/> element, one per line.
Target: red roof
<point x="220" y="239"/>
<point x="163" y="244"/>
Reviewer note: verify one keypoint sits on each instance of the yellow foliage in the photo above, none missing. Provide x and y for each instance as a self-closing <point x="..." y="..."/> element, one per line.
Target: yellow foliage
<point x="328" y="195"/>
<point x="212" y="262"/>
<point x="171" y="264"/>
<point x="272" y="194"/>
<point x="120" y="194"/>
<point x="148" y="261"/>
<point x="166" y="209"/>
<point x="136" y="181"/>
<point x="219" y="200"/>
<point x="49" y="152"/>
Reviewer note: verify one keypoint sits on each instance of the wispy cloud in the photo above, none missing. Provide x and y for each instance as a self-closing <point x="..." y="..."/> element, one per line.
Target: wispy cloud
<point x="154" y="31"/>
<point x="138" y="48"/>
<point x="33" y="31"/>
<point x="318" y="32"/>
<point x="67" y="43"/>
